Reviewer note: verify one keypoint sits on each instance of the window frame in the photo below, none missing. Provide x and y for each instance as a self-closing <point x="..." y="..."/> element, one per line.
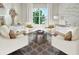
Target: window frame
<point x="41" y="16"/>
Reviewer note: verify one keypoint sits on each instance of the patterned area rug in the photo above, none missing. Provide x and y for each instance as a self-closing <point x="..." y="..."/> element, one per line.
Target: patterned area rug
<point x="38" y="49"/>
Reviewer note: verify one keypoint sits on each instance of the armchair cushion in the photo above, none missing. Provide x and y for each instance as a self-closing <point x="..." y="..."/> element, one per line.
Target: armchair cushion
<point x="4" y="31"/>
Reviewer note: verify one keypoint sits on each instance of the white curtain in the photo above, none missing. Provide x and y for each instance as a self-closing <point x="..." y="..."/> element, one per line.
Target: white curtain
<point x="29" y="13"/>
<point x="50" y="15"/>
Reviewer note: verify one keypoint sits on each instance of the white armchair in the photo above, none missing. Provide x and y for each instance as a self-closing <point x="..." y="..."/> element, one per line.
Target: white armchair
<point x="68" y="47"/>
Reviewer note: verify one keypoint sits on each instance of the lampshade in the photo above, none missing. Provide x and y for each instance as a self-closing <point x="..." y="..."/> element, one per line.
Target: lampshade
<point x="55" y="17"/>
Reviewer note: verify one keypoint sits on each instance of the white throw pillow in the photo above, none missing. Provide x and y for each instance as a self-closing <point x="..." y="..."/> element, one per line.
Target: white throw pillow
<point x="4" y="31"/>
<point x="74" y="30"/>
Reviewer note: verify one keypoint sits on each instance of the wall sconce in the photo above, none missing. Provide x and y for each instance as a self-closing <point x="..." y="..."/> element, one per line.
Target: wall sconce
<point x="55" y="17"/>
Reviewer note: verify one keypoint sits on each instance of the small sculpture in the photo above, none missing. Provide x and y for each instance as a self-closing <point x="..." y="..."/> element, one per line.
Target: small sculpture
<point x="1" y="5"/>
<point x="12" y="13"/>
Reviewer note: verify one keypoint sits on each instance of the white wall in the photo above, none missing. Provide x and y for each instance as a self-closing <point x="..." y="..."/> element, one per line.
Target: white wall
<point x="70" y="13"/>
<point x="24" y="12"/>
<point x="27" y="12"/>
<point x="17" y="7"/>
<point x="55" y="10"/>
<point x="50" y="13"/>
<point x="7" y="16"/>
<point x="39" y="5"/>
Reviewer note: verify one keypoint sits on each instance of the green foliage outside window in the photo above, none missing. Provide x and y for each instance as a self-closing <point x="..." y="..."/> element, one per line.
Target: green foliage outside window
<point x="38" y="17"/>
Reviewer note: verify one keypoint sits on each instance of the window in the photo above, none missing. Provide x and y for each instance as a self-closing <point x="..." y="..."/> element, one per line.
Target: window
<point x="40" y="15"/>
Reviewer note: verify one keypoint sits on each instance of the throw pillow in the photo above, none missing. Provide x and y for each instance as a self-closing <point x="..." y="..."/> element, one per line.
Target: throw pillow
<point x="68" y="36"/>
<point x="4" y="31"/>
<point x="12" y="34"/>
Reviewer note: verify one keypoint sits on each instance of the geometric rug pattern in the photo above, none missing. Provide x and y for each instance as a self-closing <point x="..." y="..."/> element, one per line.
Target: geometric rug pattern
<point x="38" y="49"/>
<point x="39" y="46"/>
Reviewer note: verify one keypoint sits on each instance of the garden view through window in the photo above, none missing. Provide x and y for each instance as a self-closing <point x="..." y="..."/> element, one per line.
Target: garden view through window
<point x="40" y="15"/>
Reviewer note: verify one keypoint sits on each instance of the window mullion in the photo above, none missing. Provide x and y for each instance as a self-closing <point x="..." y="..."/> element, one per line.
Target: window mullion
<point x="39" y="16"/>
